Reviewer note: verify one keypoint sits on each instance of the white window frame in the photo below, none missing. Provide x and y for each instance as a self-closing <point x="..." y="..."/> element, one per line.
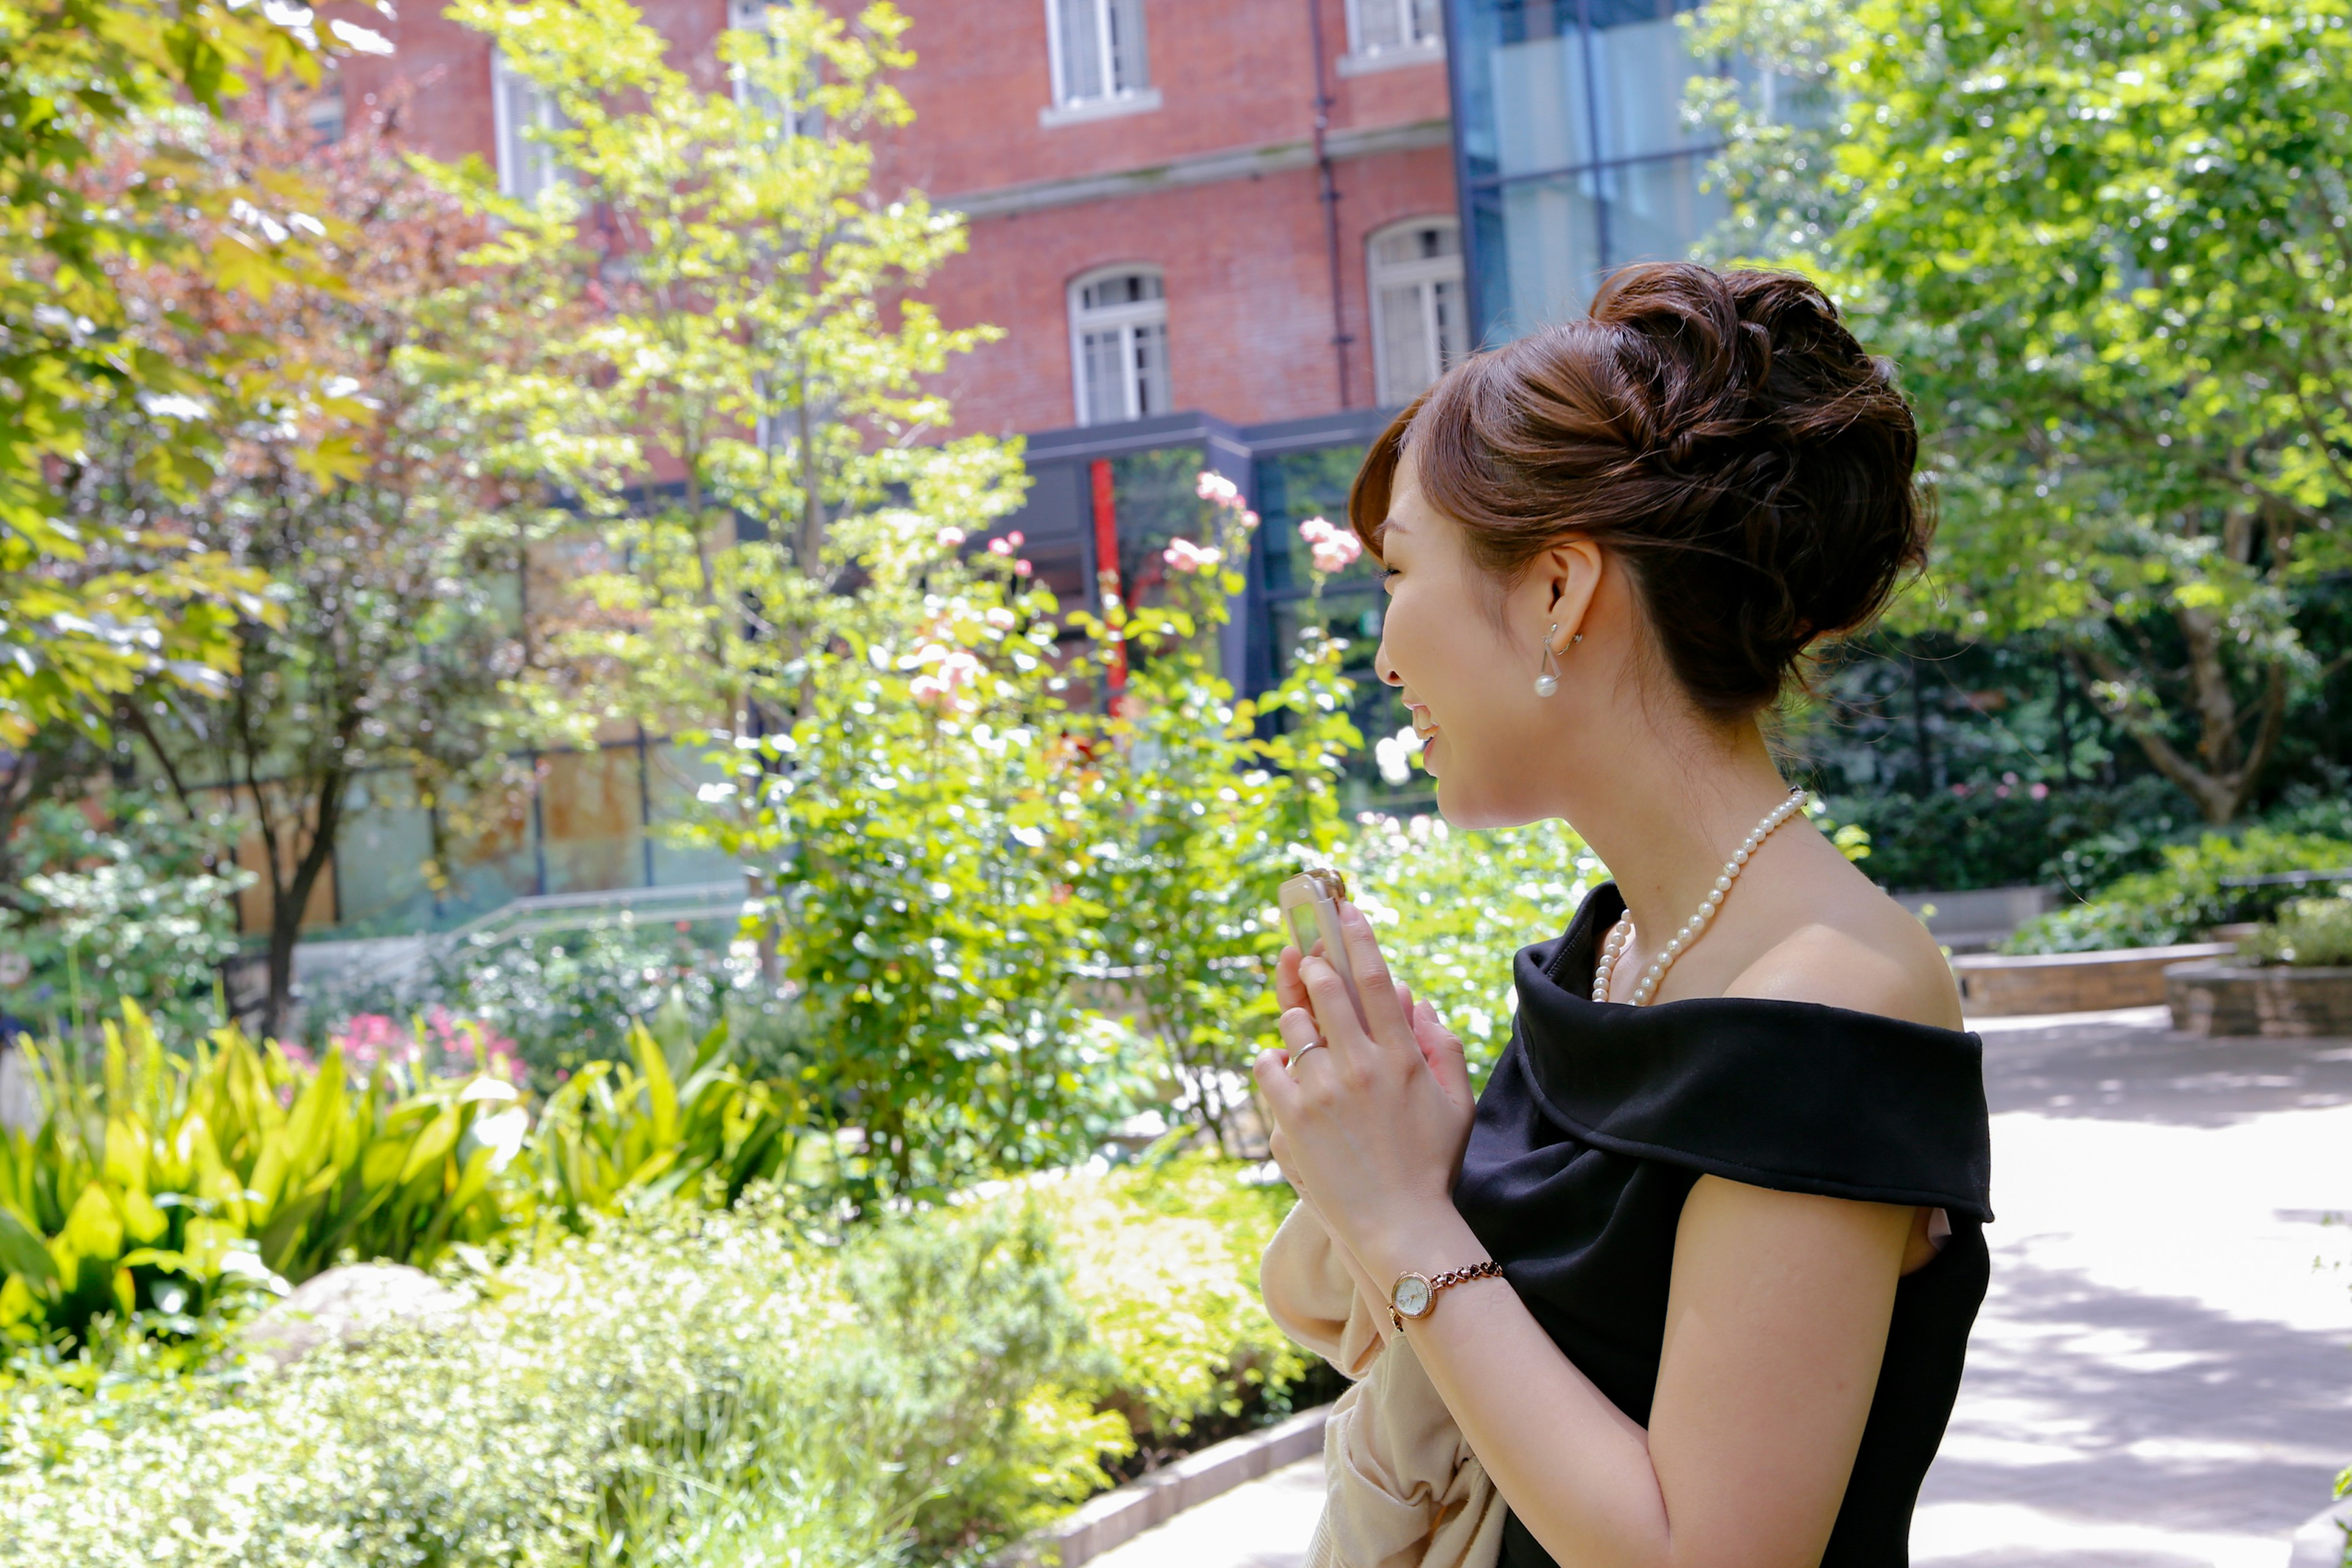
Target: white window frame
<point x="515" y="150"/>
<point x="1067" y="109"/>
<point x="1419" y="274"/>
<point x="1363" y="56"/>
<point x="1125" y="318"/>
<point x="751" y="17"/>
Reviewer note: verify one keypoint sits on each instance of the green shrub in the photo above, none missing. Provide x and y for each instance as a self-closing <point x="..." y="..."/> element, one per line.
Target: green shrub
<point x="171" y="1177"/>
<point x="675" y="1388"/>
<point x="2003" y="834"/>
<point x="2185" y="897"/>
<point x="143" y="907"/>
<point x="167" y="1179"/>
<point x="2310" y="933"/>
<point x="1164" y="1263"/>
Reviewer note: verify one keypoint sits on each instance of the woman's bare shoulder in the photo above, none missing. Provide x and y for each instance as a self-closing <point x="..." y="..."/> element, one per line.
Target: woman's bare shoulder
<point x="1846" y="944"/>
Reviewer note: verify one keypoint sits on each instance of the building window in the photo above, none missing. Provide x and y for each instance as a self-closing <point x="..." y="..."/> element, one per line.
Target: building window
<point x="519" y="107"/>
<point x="1098" y="57"/>
<point x="1419" y="324"/>
<point x="751" y="17"/>
<point x="323" y="115"/>
<point x="1575" y="155"/>
<point x="1118" y="339"/>
<point x="1388" y="26"/>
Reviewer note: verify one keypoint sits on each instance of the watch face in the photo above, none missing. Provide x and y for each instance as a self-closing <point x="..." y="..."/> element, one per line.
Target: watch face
<point x="1411" y="1296"/>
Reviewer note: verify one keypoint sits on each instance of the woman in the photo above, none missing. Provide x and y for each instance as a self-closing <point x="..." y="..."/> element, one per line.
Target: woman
<point x="1693" y="1278"/>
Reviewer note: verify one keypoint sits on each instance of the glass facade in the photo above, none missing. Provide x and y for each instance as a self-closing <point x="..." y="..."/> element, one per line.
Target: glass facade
<point x="1571" y="150"/>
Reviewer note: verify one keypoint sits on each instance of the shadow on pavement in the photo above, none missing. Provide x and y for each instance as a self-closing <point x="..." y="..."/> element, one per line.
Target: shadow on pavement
<point x="2100" y="1403"/>
<point x="2135" y="1073"/>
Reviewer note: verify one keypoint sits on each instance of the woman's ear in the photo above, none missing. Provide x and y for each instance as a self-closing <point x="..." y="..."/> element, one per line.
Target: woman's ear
<point x="1569" y="575"/>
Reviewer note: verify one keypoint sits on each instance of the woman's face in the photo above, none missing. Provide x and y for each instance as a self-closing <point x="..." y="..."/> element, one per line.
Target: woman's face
<point x="1453" y="642"/>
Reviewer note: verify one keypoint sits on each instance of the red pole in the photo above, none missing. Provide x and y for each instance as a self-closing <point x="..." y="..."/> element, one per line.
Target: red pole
<point x="1107" y="560"/>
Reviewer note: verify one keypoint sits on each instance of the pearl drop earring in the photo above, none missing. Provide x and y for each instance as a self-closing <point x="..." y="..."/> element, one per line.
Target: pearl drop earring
<point x="1547" y="678"/>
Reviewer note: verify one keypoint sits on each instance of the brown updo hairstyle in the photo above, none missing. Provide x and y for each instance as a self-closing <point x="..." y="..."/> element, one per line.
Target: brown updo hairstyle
<point x="1722" y="433"/>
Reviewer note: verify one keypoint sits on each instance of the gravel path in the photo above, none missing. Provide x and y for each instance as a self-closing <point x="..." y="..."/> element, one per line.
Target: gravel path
<point x="2162" y="1374"/>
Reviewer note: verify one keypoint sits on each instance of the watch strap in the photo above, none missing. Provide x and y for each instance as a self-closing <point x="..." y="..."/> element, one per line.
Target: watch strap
<point x="1488" y="1269"/>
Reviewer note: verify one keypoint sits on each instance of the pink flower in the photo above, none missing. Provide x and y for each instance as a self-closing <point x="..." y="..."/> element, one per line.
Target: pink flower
<point x="2040" y="791"/>
<point x="2001" y="792"/>
<point x="1183" y="555"/>
<point x="1022" y="568"/>
<point x="1015" y="538"/>
<point x="953" y="670"/>
<point x="1332" y="549"/>
<point x="1962" y="790"/>
<point x="951" y="537"/>
<point x="1000" y="547"/>
<point x="1217" y="490"/>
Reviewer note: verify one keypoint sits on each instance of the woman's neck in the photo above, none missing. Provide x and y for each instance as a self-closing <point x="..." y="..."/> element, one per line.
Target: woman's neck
<point x="1667" y="817"/>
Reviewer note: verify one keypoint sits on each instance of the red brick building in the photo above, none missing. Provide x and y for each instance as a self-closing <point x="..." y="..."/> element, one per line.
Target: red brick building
<point x="1205" y="189"/>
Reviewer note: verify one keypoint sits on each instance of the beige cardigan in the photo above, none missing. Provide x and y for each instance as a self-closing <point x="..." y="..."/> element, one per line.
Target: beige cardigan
<point x="1402" y="1488"/>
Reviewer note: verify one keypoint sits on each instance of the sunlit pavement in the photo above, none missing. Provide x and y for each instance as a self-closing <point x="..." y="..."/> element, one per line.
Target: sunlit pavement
<point x="2162" y="1374"/>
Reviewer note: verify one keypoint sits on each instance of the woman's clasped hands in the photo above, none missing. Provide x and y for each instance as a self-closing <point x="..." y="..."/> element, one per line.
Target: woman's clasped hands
<point x="1369" y="1127"/>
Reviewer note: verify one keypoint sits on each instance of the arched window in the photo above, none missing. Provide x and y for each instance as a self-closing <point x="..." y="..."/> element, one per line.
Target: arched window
<point x="1119" y="344"/>
<point x="1419" y="324"/>
<point x="519" y="106"/>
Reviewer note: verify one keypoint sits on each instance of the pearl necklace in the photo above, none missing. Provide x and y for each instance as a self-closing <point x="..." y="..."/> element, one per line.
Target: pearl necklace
<point x="1622" y="932"/>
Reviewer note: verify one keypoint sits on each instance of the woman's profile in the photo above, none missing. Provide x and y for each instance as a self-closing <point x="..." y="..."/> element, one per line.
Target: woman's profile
<point x="1692" y="1281"/>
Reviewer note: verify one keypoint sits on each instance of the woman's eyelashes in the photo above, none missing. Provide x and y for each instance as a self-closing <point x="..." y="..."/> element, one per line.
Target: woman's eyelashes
<point x="1388" y="574"/>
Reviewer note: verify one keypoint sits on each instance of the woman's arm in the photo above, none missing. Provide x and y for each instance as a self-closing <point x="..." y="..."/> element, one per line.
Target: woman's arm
<point x="1776" y="1321"/>
<point x="1777" y="1316"/>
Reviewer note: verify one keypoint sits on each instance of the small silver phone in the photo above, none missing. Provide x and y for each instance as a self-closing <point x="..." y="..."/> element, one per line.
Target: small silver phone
<point x="1310" y="907"/>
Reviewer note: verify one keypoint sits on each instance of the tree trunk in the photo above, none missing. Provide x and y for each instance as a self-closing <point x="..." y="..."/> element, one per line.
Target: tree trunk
<point x="289" y="896"/>
<point x="2221" y="778"/>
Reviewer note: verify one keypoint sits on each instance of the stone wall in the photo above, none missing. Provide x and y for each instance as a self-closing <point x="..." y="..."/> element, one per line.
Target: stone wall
<point x="1993" y="986"/>
<point x="2227" y="999"/>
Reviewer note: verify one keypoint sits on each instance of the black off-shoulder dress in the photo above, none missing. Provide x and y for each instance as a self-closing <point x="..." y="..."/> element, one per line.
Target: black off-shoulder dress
<point x="1599" y="1117"/>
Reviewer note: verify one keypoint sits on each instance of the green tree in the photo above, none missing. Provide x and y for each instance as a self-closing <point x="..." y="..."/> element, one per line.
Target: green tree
<point x="91" y="606"/>
<point x="349" y="491"/>
<point x="2111" y="246"/>
<point x="892" y="753"/>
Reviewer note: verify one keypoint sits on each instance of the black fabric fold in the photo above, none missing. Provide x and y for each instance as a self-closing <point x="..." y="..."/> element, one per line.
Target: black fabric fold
<point x="1883" y="1109"/>
<point x="1599" y="1118"/>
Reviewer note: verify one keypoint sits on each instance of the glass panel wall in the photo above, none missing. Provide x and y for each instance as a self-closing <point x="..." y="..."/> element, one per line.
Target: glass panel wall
<point x="1574" y="156"/>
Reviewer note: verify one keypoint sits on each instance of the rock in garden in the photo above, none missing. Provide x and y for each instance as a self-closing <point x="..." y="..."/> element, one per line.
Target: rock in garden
<point x="349" y="1305"/>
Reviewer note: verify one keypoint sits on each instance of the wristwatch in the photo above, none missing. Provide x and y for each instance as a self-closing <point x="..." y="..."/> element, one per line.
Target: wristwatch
<point x="1416" y="1295"/>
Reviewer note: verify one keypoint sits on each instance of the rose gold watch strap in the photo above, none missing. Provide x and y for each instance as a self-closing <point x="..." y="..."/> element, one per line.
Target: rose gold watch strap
<point x="1489" y="1270"/>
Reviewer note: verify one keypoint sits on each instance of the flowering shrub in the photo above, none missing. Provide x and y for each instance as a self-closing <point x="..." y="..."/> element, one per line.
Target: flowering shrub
<point x="1453" y="907"/>
<point x="436" y="1045"/>
<point x="1198" y="805"/>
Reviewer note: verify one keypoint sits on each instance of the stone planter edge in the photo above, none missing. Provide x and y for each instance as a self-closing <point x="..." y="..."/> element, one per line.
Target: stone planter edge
<point x="2320" y="1542"/>
<point x="1117" y="1517"/>
<point x="2279" y="980"/>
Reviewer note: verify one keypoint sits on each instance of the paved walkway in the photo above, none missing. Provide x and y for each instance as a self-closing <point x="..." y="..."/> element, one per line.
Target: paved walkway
<point x="2162" y="1374"/>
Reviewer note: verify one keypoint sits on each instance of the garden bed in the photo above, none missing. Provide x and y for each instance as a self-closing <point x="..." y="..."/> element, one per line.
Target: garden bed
<point x="1994" y="986"/>
<point x="2228" y="999"/>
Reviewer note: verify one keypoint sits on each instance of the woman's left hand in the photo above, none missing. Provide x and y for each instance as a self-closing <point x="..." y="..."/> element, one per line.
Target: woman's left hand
<point x="1374" y="1123"/>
